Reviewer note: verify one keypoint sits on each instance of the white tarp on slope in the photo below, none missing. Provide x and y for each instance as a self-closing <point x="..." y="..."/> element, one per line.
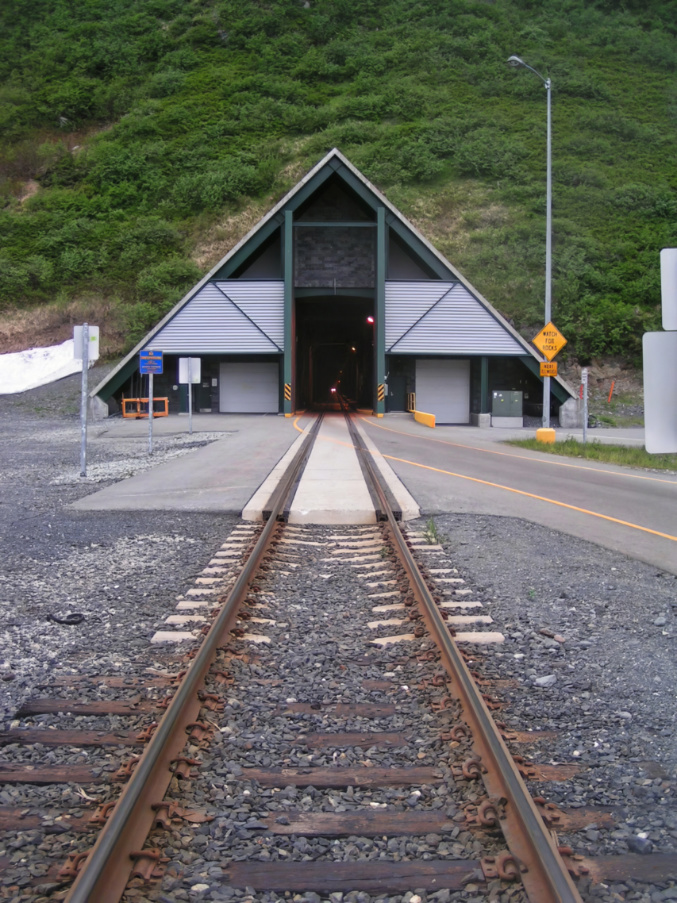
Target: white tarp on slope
<point x="35" y="367"/>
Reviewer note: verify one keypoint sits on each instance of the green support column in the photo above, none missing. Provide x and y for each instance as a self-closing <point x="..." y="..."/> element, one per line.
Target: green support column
<point x="484" y="386"/>
<point x="380" y="315"/>
<point x="288" y="393"/>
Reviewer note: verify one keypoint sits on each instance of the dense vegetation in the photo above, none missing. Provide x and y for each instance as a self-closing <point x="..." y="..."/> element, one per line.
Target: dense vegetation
<point x="130" y="128"/>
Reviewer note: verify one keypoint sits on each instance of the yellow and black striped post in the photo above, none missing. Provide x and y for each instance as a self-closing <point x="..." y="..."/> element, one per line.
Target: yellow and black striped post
<point x="381" y="392"/>
<point x="287" y="400"/>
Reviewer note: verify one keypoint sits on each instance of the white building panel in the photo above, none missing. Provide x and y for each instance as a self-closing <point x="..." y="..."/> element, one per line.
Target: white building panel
<point x="249" y="388"/>
<point x="228" y="317"/>
<point x="443" y="389"/>
<point x="442" y="318"/>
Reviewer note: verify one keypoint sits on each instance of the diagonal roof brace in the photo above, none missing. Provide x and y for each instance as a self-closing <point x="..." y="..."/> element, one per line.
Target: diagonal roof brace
<point x="246" y="316"/>
<point x="423" y="316"/>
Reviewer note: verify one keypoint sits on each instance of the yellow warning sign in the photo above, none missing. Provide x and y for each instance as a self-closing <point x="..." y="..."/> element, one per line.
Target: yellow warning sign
<point x="549" y="341"/>
<point x="549" y="369"/>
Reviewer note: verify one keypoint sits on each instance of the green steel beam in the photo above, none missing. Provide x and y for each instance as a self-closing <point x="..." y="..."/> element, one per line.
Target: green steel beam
<point x="321" y="294"/>
<point x="288" y="243"/>
<point x="484" y="385"/>
<point x="380" y="313"/>
<point x="333" y="224"/>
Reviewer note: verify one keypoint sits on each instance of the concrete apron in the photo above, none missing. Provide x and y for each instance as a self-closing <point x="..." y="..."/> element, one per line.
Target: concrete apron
<point x="332" y="489"/>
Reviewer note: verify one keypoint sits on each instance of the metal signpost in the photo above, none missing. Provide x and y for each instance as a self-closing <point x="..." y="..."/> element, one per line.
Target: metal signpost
<point x="516" y="62"/>
<point x="86" y="349"/>
<point x="190" y="370"/>
<point x="83" y="400"/>
<point x="584" y="381"/>
<point x="150" y="362"/>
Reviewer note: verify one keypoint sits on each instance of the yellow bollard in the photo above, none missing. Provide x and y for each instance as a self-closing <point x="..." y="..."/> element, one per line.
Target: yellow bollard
<point x="545" y="435"/>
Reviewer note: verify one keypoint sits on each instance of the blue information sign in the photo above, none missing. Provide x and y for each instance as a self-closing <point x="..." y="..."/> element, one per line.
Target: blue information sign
<point x="150" y="362"/>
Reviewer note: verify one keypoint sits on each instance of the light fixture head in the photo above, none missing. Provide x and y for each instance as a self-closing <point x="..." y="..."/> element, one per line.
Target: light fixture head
<point x="515" y="61"/>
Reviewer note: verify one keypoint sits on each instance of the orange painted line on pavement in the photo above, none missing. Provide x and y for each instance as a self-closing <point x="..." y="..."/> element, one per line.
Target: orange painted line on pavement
<point x="490" y="451"/>
<point x="296" y="421"/>
<point x="531" y="495"/>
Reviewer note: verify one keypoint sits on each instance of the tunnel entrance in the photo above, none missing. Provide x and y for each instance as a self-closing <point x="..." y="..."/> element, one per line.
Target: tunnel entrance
<point x="334" y="350"/>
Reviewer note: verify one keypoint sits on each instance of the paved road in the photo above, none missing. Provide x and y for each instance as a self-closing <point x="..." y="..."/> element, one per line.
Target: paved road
<point x="452" y="470"/>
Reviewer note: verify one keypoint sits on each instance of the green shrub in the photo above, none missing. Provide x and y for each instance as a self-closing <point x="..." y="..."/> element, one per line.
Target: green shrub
<point x="14" y="281"/>
<point x="167" y="82"/>
<point x="166" y="281"/>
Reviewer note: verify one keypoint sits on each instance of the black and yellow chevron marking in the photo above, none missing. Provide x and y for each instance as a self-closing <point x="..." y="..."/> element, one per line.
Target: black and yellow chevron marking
<point x="287" y="391"/>
<point x="381" y="392"/>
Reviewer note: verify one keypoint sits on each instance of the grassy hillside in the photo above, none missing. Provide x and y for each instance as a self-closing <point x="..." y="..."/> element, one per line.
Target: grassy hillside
<point x="140" y="138"/>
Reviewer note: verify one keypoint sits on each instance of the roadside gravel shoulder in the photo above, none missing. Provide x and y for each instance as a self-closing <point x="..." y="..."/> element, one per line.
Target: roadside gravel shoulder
<point x="591" y="649"/>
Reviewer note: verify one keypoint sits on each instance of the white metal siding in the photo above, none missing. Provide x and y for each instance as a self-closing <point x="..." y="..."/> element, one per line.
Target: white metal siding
<point x="249" y="388"/>
<point x="442" y="318"/>
<point x="443" y="389"/>
<point x="227" y="317"/>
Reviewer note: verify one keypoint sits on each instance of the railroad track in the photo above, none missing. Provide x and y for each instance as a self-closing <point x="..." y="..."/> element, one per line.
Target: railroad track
<point x="333" y="744"/>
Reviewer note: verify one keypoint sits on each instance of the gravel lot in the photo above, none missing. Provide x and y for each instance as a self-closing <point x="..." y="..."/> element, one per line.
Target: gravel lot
<point x="121" y="570"/>
<point x="590" y="635"/>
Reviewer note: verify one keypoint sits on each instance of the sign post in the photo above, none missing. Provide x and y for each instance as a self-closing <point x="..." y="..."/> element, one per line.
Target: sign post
<point x="190" y="396"/>
<point x="150" y="362"/>
<point x="584" y="381"/>
<point x="549" y="342"/>
<point x="83" y="400"/>
<point x="150" y="413"/>
<point x="85" y="348"/>
<point x="190" y="371"/>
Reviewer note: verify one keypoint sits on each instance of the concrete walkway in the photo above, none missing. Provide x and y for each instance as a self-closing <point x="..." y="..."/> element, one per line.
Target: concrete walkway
<point x="332" y="489"/>
<point x="221" y="476"/>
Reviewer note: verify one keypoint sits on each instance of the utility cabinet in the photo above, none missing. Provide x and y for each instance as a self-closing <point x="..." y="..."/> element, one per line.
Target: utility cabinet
<point x="506" y="409"/>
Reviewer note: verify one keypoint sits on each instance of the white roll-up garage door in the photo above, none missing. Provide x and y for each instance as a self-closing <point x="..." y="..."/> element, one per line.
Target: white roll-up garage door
<point x="443" y="389"/>
<point x="249" y="388"/>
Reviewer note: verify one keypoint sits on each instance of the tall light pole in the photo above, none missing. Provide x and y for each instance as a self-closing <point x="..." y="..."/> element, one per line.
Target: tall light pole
<point x="516" y="62"/>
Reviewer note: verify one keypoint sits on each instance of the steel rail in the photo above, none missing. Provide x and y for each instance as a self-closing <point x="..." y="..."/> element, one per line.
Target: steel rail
<point x="542" y="870"/>
<point x="105" y="873"/>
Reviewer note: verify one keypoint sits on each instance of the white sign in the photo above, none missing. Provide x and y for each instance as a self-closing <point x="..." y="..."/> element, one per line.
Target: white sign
<point x="669" y="287"/>
<point x="195" y="370"/>
<point x="93" y="350"/>
<point x="660" y="392"/>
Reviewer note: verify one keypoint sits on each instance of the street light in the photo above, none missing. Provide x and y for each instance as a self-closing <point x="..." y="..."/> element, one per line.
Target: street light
<point x="516" y="62"/>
